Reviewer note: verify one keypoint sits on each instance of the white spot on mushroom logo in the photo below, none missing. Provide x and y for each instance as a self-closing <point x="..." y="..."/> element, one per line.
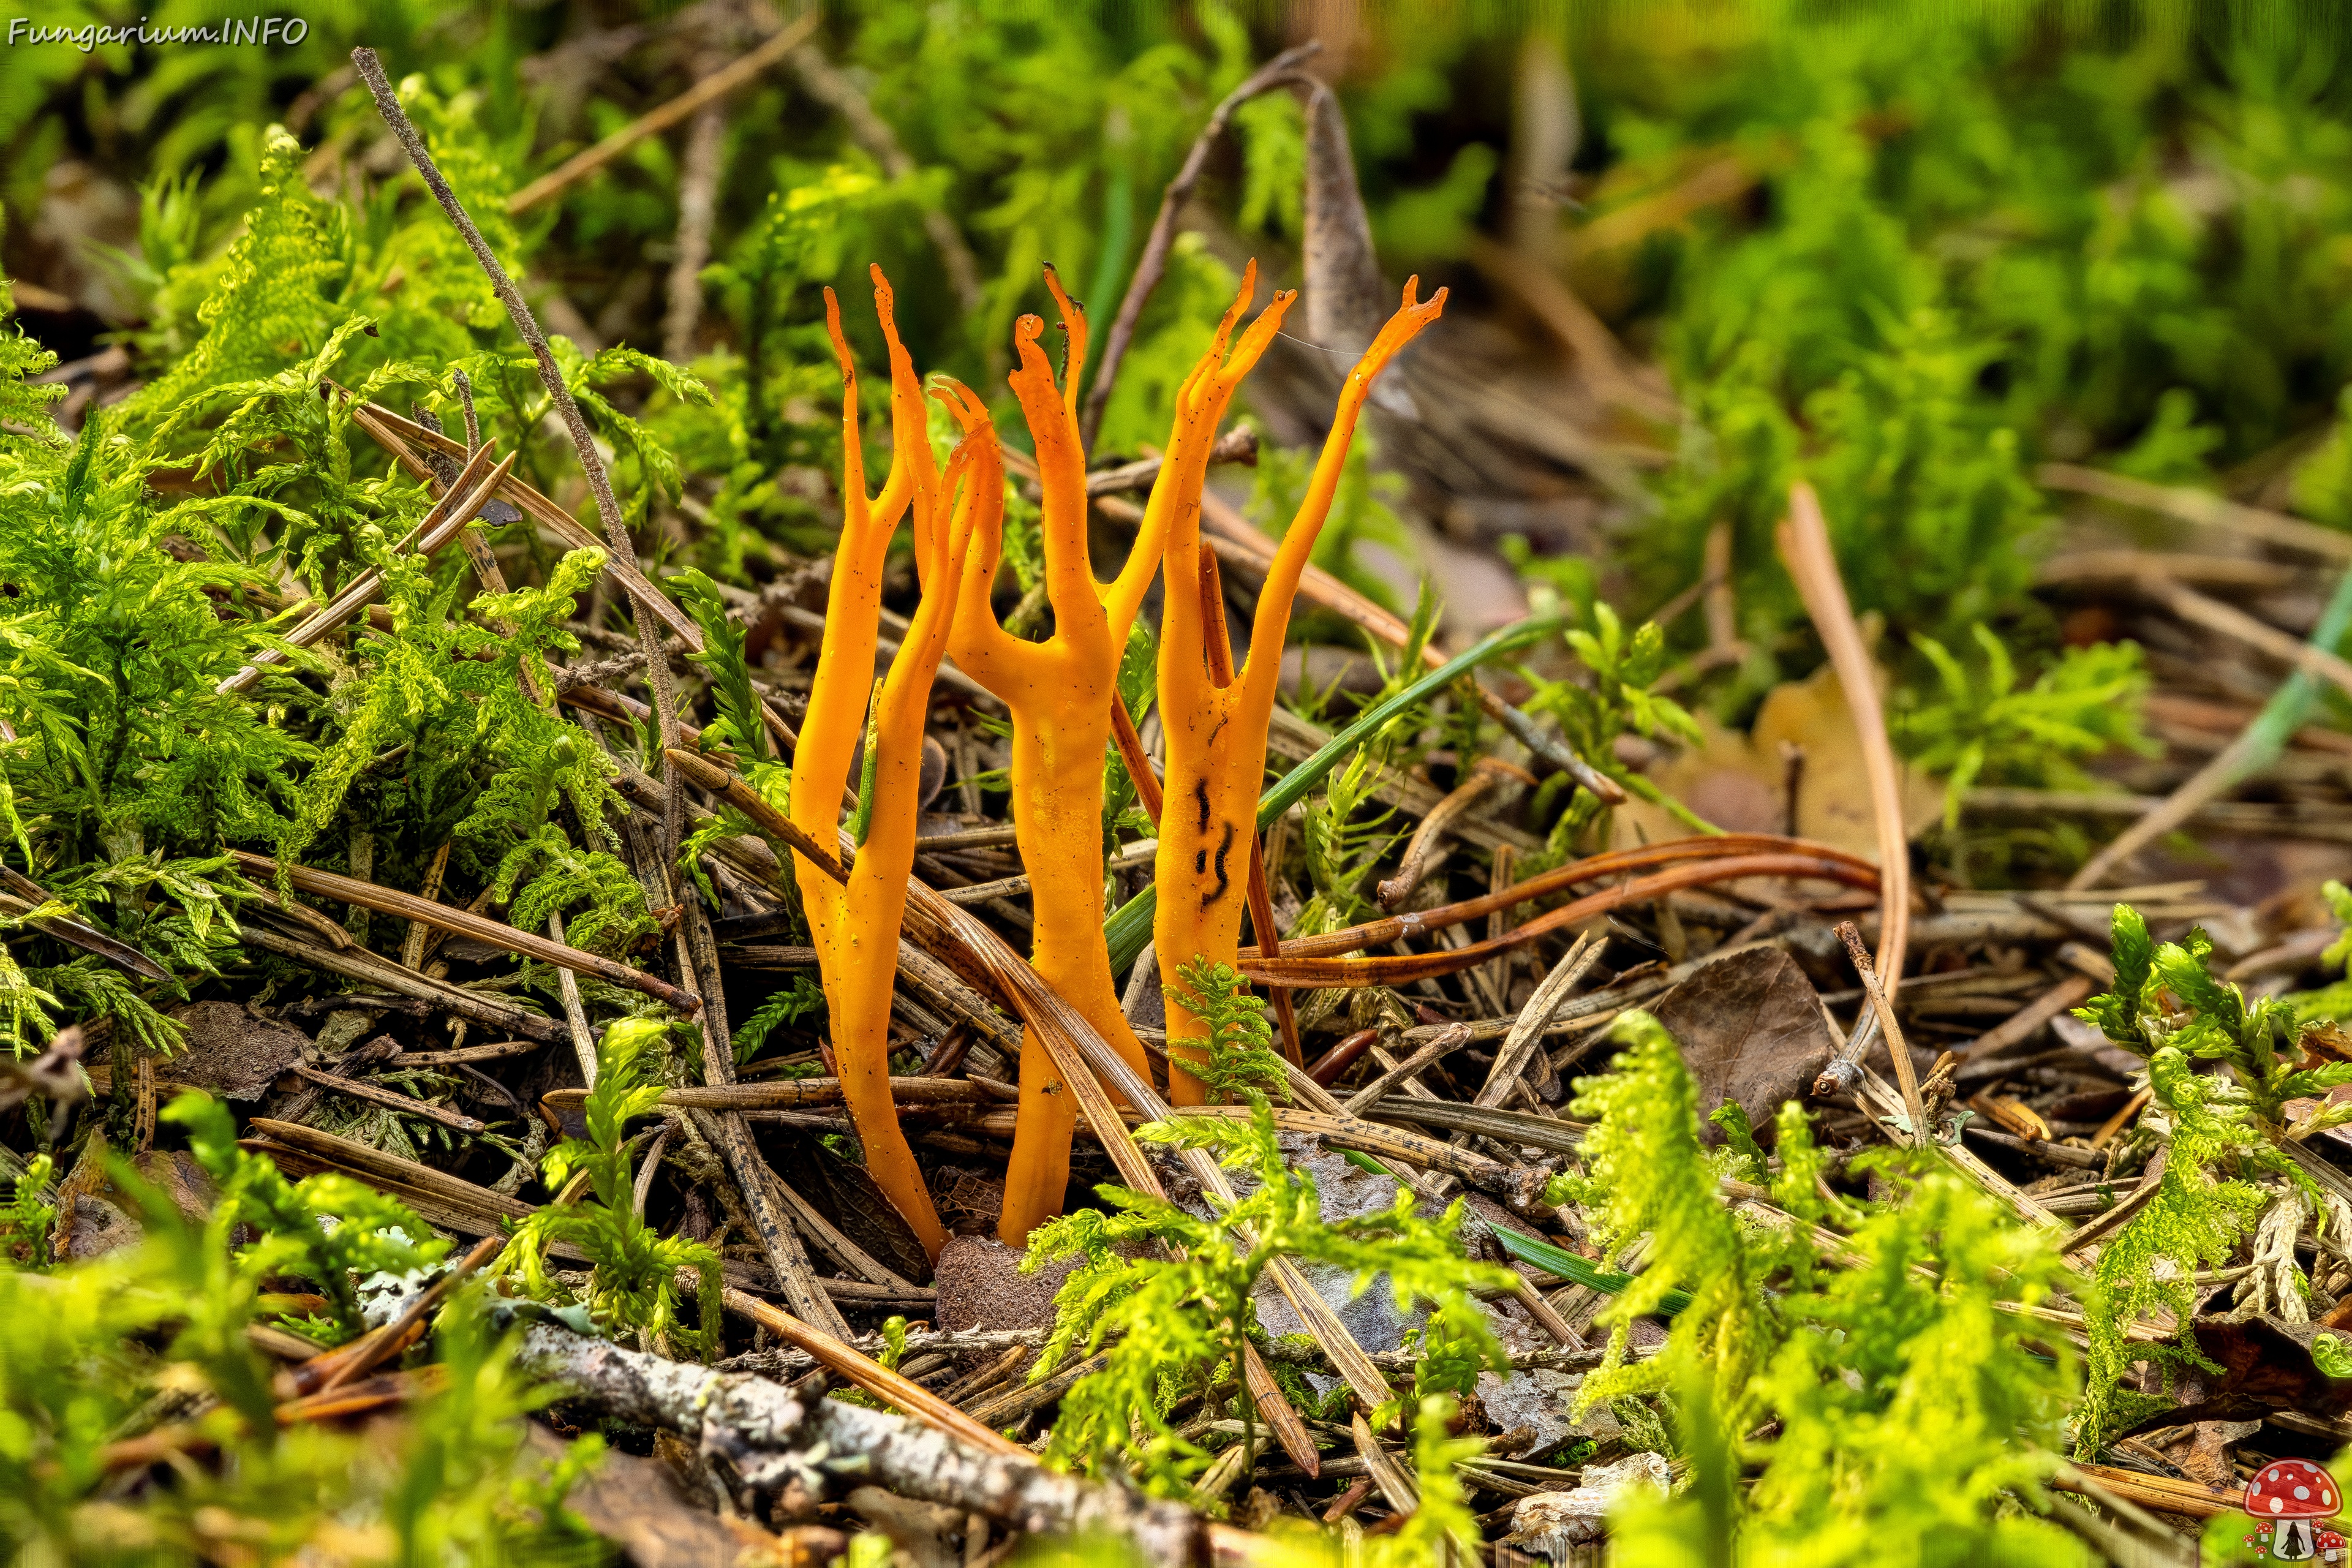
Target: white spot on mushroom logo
<point x="2291" y="1497"/>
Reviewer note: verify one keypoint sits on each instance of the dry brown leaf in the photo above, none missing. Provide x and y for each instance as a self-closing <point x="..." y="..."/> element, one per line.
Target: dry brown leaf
<point x="1740" y="782"/>
<point x="1751" y="1027"/>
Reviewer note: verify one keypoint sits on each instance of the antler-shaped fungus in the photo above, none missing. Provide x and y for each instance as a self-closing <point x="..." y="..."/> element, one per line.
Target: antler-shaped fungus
<point x="1216" y="728"/>
<point x="1060" y="693"/>
<point x="855" y="925"/>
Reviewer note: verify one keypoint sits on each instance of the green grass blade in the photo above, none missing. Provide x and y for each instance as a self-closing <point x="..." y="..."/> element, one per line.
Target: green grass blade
<point x="1557" y="1260"/>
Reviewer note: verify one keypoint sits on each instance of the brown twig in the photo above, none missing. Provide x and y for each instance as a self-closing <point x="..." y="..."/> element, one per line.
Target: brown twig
<point x="445" y="521"/>
<point x="709" y="89"/>
<point x="2200" y="507"/>
<point x="358" y="963"/>
<point x="2125" y="1209"/>
<point x="1326" y="1069"/>
<point x="1153" y="264"/>
<point x="1402" y="968"/>
<point x="409" y="442"/>
<point x="353" y="1088"/>
<point x="2023" y="1026"/>
<point x="551" y="375"/>
<point x="465" y="1055"/>
<point x="1238" y="445"/>
<point x="411" y="946"/>
<point x="1907" y="1074"/>
<point x="575" y="1015"/>
<point x="871" y="1375"/>
<point x="1604" y="867"/>
<point x="464" y="922"/>
<point x="1520" y="1187"/>
<point x="2202" y="610"/>
<point x="788" y="1094"/>
<point x="364" y="1355"/>
<point x="1805" y="546"/>
<point x="1420" y="852"/>
<point x="1527" y="1030"/>
<point x="73" y="932"/>
<point x="1449" y="1040"/>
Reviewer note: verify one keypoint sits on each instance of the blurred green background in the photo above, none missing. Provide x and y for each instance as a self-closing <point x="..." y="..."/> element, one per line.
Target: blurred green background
<point x="1911" y="252"/>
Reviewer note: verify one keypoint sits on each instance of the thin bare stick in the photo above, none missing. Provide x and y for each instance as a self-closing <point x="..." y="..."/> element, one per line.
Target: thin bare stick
<point x="551" y="375"/>
<point x="643" y="1188"/>
<point x="363" y="1354"/>
<point x="2253" y="749"/>
<point x="465" y="923"/>
<point x="358" y="963"/>
<point x="389" y="1100"/>
<point x="1805" y="547"/>
<point x="709" y="89"/>
<point x="411" y="949"/>
<point x="697" y="187"/>
<point x="1527" y="1030"/>
<point x="1907" y="1074"/>
<point x="2203" y="610"/>
<point x="872" y="1375"/>
<point x="575" y="1016"/>
<point x="1449" y="1040"/>
<point x="411" y="446"/>
<point x="1419" y="854"/>
<point x="1153" y="265"/>
<point x="1609" y="867"/>
<point x="2202" y="508"/>
<point x="785" y="1094"/>
<point x="447" y="517"/>
<point x="31" y="895"/>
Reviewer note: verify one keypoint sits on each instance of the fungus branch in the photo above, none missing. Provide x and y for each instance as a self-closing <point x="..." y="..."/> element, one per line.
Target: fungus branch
<point x="1216" y="730"/>
<point x="855" y="924"/>
<point x="1061" y="692"/>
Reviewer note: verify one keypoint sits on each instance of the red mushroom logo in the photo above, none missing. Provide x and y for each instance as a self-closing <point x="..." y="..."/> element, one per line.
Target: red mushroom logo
<point x="2331" y="1546"/>
<point x="2290" y="1497"/>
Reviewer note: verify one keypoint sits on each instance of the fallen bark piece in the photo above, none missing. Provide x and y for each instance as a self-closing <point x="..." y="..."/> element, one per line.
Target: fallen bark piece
<point x="1551" y="1525"/>
<point x="93" y="1228"/>
<point x="1536" y="1401"/>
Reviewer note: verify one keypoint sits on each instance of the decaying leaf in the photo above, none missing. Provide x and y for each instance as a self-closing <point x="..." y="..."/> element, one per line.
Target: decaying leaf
<point x="1741" y="783"/>
<point x="1751" y="1029"/>
<point x="234" y="1051"/>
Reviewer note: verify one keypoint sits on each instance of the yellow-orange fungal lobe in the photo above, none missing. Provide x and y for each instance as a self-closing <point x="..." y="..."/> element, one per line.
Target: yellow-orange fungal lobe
<point x="833" y="330"/>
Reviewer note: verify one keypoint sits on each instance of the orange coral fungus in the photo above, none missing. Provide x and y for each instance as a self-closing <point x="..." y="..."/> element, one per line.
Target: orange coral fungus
<point x="1061" y="692"/>
<point x="855" y="925"/>
<point x="1216" y="728"/>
